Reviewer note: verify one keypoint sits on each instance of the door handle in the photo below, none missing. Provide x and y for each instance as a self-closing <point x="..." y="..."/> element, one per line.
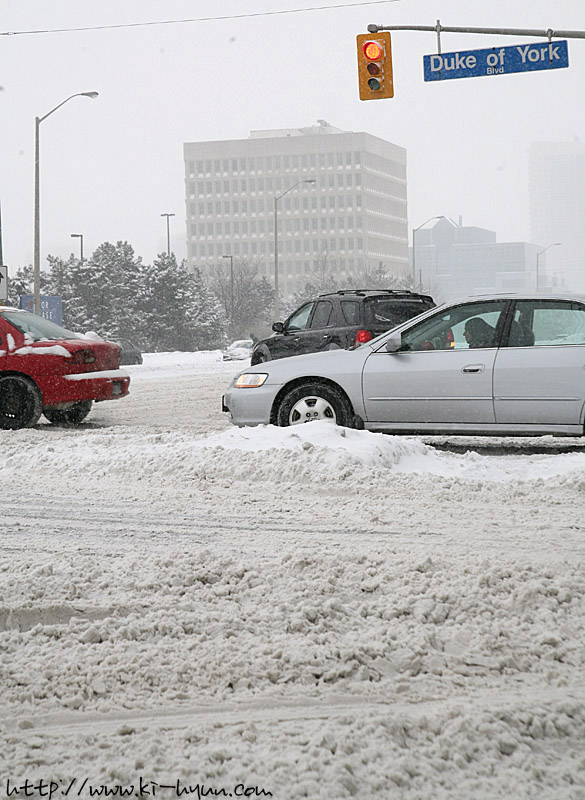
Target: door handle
<point x="473" y="368"/>
<point x="326" y="337"/>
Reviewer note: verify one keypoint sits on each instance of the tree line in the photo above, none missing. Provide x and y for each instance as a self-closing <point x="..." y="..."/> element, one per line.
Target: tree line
<point x="164" y="306"/>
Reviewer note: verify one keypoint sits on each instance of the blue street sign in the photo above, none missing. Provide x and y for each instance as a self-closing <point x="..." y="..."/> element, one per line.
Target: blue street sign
<point x="51" y="307"/>
<point x="496" y="61"/>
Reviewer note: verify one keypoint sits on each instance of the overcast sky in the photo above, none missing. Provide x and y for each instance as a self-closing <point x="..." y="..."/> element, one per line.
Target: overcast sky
<point x="111" y="166"/>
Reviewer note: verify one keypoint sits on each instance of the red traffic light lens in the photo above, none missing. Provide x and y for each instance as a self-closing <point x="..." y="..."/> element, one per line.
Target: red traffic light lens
<point x="373" y="50"/>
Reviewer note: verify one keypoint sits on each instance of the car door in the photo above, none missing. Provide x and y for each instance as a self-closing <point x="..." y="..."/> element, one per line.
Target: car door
<point x="437" y="376"/>
<point x="539" y="375"/>
<point x="291" y="341"/>
<point x="319" y="334"/>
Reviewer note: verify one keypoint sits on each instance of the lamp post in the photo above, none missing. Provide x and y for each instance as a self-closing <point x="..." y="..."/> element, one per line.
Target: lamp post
<point x="80" y="237"/>
<point x="37" y="224"/>
<point x="414" y="230"/>
<point x="540" y="252"/>
<point x="168" y="232"/>
<point x="276" y="199"/>
<point x="231" y="258"/>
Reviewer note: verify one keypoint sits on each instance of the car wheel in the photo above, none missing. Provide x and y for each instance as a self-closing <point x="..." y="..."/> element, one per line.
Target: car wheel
<point x="313" y="401"/>
<point x="73" y="415"/>
<point x="259" y="357"/>
<point x="21" y="403"/>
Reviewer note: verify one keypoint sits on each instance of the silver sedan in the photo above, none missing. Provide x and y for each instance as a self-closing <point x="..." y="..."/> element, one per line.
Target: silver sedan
<point x="498" y="364"/>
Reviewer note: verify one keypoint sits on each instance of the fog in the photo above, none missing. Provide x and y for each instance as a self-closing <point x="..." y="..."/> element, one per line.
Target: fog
<point x="217" y="69"/>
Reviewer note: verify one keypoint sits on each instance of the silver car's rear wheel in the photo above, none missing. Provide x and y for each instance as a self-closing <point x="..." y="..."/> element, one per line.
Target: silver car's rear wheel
<point x="311" y="402"/>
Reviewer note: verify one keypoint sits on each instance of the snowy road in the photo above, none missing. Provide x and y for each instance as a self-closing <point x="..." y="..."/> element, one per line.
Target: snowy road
<point x="317" y="613"/>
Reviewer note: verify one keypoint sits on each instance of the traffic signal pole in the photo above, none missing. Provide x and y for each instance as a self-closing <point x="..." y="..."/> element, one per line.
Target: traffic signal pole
<point x="438" y="29"/>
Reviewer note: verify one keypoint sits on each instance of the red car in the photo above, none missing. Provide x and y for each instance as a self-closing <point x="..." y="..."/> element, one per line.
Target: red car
<point x="45" y="369"/>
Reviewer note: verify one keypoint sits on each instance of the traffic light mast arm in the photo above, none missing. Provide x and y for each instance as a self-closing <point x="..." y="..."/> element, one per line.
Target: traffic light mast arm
<point x="438" y="29"/>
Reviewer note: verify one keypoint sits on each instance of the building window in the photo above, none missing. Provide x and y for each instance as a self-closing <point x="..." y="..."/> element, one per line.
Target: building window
<point x="236" y="208"/>
<point x="242" y="164"/>
<point x="242" y="187"/>
<point x="340" y="161"/>
<point x="200" y="168"/>
<point x="208" y="167"/>
<point x="260" y="163"/>
<point x="252" y="164"/>
<point x="234" y="165"/>
<point x="322" y="162"/>
<point x="330" y="161"/>
<point x="268" y="163"/>
<point x="286" y="161"/>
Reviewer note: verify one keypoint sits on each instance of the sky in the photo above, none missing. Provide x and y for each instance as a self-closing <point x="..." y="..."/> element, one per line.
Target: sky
<point x="316" y="611"/>
<point x="111" y="166"/>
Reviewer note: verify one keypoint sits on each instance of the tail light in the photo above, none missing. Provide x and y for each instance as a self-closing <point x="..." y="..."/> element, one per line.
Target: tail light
<point x="362" y="336"/>
<point x="83" y="357"/>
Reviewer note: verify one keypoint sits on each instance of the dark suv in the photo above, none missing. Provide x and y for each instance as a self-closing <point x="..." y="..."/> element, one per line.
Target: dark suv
<point x="340" y="320"/>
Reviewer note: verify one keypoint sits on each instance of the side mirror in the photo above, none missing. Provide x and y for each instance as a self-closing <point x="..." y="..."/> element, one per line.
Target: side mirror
<point x="278" y="327"/>
<point x="394" y="342"/>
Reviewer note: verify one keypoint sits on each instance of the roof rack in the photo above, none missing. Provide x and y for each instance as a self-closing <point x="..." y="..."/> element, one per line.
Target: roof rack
<point x="394" y="292"/>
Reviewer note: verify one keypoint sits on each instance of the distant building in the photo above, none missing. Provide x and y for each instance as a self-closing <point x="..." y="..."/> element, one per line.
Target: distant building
<point x="452" y="260"/>
<point x="557" y="207"/>
<point x="351" y="220"/>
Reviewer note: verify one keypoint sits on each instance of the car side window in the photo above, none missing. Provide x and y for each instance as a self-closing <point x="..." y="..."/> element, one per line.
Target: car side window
<point x="323" y="316"/>
<point x="471" y="325"/>
<point x="299" y="320"/>
<point x="351" y="312"/>
<point x="547" y="323"/>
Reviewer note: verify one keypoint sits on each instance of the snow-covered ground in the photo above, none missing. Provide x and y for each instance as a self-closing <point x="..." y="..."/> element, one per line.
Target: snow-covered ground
<point x="312" y="612"/>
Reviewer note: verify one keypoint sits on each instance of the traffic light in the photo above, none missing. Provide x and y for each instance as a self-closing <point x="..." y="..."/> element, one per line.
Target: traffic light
<point x="374" y="53"/>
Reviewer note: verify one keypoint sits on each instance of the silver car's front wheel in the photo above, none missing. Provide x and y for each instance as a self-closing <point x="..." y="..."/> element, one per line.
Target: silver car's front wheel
<point x="312" y="402"/>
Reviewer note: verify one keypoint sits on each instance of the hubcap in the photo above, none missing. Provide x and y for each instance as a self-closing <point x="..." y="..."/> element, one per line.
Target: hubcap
<point x="309" y="409"/>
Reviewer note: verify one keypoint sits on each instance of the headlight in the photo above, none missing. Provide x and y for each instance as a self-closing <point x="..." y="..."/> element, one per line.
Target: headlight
<point x="250" y="380"/>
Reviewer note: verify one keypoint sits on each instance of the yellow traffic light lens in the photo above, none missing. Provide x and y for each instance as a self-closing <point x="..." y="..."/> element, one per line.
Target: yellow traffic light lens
<point x="373" y="69"/>
<point x="373" y="50"/>
<point x="374" y="84"/>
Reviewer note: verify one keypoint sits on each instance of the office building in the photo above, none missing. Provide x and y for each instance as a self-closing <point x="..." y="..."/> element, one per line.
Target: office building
<point x="453" y="260"/>
<point x="557" y="207"/>
<point x="351" y="220"/>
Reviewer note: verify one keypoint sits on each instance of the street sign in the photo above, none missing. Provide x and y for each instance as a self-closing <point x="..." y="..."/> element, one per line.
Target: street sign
<point x="51" y="307"/>
<point x="3" y="283"/>
<point x="496" y="61"/>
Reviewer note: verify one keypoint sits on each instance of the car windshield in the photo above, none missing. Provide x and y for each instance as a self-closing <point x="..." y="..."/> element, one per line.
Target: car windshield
<point x="37" y="327"/>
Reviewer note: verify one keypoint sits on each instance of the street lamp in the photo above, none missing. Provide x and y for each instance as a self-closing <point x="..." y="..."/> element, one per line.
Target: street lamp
<point x="168" y="232"/>
<point x="80" y="237"/>
<point x="276" y="199"/>
<point x="37" y="231"/>
<point x="540" y="252"/>
<point x="231" y="258"/>
<point x="414" y="230"/>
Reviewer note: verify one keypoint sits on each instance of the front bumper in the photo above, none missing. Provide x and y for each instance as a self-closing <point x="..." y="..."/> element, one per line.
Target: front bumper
<point x="249" y="406"/>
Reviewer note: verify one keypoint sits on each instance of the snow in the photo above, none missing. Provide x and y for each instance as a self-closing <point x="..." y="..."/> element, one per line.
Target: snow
<point x="313" y="611"/>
